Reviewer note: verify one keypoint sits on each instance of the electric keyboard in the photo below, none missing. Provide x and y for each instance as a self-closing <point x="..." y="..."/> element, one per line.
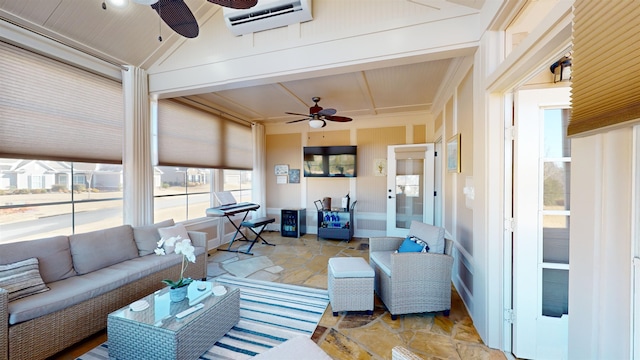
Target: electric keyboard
<point x="231" y="209"/>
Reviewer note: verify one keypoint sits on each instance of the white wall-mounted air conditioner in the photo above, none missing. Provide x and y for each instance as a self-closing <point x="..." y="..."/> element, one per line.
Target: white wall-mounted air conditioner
<point x="267" y="14"/>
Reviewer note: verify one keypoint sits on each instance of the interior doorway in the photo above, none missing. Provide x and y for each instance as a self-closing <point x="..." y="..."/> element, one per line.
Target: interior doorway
<point x="410" y="186"/>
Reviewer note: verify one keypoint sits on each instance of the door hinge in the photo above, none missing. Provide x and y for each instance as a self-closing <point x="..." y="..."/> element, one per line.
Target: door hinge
<point x="435" y="153"/>
<point x="509" y="316"/>
<point x="435" y="193"/>
<point x="510" y="133"/>
<point x="509" y="224"/>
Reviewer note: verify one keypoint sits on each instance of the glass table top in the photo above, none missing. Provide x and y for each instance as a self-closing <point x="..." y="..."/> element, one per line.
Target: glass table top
<point x="158" y="310"/>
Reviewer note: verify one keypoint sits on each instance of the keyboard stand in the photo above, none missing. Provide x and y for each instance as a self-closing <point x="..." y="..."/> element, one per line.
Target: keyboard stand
<point x="237" y="227"/>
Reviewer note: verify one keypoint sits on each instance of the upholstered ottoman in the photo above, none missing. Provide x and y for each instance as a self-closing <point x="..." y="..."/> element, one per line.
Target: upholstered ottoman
<point x="350" y="283"/>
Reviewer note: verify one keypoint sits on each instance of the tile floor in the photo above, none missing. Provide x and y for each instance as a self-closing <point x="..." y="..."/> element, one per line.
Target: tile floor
<point x="303" y="261"/>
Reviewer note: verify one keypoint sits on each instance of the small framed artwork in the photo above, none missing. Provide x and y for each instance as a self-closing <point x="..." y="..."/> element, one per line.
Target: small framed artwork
<point x="453" y="153"/>
<point x="282" y="179"/>
<point x="282" y="169"/>
<point x="380" y="167"/>
<point x="294" y="176"/>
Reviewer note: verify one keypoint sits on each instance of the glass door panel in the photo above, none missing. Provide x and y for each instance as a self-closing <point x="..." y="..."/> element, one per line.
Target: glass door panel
<point x="409" y="191"/>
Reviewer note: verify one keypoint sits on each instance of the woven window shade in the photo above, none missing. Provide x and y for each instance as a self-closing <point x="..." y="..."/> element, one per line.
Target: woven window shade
<point x="606" y="65"/>
<point x="53" y="111"/>
<point x="195" y="138"/>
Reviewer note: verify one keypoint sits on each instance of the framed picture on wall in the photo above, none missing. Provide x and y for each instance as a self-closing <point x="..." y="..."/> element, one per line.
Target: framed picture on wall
<point x="294" y="176"/>
<point x="282" y="169"/>
<point x="453" y="153"/>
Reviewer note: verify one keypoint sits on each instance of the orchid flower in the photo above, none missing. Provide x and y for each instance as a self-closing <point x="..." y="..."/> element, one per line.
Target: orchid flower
<point x="181" y="246"/>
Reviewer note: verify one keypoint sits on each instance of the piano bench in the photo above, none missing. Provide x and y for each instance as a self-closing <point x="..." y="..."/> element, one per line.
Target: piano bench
<point x="252" y="223"/>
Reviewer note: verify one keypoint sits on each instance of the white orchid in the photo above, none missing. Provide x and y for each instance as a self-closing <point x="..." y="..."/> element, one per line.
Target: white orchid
<point x="181" y="246"/>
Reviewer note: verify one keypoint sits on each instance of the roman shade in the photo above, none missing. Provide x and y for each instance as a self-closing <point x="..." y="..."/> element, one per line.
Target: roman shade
<point x="606" y="66"/>
<point x="191" y="137"/>
<point x="52" y="111"/>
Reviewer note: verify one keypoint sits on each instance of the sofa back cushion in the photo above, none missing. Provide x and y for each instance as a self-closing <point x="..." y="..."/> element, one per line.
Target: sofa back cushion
<point x="98" y="249"/>
<point x="432" y="235"/>
<point x="53" y="254"/>
<point x="147" y="237"/>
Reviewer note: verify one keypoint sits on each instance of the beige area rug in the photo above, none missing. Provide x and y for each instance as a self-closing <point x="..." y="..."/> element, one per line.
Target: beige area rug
<point x="244" y="268"/>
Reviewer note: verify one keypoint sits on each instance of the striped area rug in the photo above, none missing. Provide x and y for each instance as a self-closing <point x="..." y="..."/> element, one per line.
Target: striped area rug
<point x="270" y="313"/>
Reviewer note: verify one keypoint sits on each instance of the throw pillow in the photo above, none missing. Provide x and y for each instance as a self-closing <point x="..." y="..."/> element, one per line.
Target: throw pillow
<point x="413" y="244"/>
<point x="21" y="279"/>
<point x="172" y="231"/>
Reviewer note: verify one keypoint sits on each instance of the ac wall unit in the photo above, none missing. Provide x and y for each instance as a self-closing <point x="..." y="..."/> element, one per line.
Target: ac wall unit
<point x="267" y="14"/>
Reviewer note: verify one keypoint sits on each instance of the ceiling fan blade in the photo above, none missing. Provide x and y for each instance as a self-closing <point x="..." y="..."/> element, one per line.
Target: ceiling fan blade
<point x="295" y="121"/>
<point x="338" y="118"/>
<point x="177" y="15"/>
<point x="290" y="113"/>
<point x="235" y="4"/>
<point x="324" y="123"/>
<point x="327" y="112"/>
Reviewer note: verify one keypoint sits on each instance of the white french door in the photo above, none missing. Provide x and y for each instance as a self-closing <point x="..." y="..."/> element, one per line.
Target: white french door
<point x="541" y="173"/>
<point x="410" y="186"/>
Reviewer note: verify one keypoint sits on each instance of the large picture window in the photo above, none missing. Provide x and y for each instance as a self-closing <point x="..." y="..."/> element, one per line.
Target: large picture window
<point x="38" y="200"/>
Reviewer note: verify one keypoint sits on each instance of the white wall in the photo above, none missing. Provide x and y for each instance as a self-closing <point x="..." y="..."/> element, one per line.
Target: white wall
<point x="601" y="245"/>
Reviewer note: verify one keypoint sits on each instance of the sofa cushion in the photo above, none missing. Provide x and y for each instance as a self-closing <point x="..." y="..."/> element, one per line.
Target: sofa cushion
<point x="432" y="235"/>
<point x="21" y="279"/>
<point x="98" y="249"/>
<point x="53" y="254"/>
<point x="173" y="231"/>
<point x="383" y="260"/>
<point x="147" y="237"/>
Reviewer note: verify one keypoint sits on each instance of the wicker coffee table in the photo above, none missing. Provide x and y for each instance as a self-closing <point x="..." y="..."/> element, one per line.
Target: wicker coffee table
<point x="156" y="333"/>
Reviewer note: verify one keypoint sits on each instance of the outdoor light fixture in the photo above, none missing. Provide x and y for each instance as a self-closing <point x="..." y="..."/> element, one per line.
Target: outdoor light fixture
<point x="561" y="69"/>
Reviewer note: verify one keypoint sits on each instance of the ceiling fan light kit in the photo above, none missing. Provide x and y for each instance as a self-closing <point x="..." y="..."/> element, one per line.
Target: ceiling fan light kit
<point x="316" y="124"/>
<point x="119" y="3"/>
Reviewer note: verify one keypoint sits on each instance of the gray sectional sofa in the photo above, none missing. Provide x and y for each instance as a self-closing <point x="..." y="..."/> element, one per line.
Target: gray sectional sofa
<point x="88" y="276"/>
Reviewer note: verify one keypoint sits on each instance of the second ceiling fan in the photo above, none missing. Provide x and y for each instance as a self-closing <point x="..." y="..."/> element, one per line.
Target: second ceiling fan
<point x="317" y="115"/>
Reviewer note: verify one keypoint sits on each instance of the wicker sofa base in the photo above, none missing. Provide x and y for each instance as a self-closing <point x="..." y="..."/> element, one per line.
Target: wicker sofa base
<point x="49" y="334"/>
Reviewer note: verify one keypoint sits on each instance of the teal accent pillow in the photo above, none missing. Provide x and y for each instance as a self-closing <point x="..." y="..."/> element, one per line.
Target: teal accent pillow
<point x="412" y="244"/>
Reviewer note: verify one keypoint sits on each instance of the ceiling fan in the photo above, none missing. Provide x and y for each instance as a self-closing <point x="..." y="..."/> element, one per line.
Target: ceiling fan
<point x="317" y="115"/>
<point x="177" y="15"/>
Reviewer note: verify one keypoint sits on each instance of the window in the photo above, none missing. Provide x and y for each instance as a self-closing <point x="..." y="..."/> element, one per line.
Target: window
<point x="37" y="200"/>
<point x="238" y="182"/>
<point x="181" y="193"/>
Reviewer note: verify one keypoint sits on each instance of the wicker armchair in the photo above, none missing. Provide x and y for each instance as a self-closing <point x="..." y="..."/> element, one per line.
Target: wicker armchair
<point x="412" y="282"/>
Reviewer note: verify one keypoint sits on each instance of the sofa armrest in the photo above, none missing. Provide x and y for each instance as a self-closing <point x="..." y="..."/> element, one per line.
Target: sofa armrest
<point x="198" y="238"/>
<point x="383" y="243"/>
<point x="431" y="267"/>
<point x="4" y="324"/>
